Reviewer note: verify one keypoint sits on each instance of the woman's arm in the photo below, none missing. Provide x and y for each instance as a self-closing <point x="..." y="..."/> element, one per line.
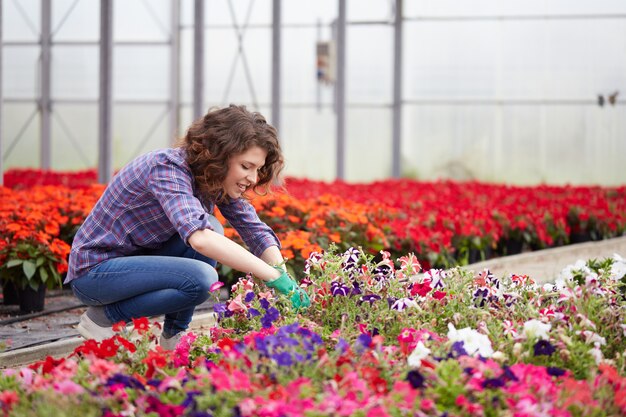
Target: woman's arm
<point x="227" y="252"/>
<point x="272" y="256"/>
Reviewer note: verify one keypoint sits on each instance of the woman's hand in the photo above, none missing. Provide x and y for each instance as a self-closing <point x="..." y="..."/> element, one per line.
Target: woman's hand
<point x="286" y="285"/>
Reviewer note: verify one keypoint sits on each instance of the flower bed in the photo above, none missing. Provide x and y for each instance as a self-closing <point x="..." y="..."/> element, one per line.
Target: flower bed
<point x="379" y="340"/>
<point x="443" y="223"/>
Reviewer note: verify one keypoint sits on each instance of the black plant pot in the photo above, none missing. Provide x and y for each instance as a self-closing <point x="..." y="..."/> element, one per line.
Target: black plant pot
<point x="580" y="237"/>
<point x="32" y="300"/>
<point x="512" y="246"/>
<point x="10" y="296"/>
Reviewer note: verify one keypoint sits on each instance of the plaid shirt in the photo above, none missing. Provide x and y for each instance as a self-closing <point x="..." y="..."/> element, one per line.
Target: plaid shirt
<point x="148" y="201"/>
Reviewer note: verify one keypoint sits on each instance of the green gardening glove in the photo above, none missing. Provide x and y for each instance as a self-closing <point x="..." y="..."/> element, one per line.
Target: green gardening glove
<point x="286" y="285"/>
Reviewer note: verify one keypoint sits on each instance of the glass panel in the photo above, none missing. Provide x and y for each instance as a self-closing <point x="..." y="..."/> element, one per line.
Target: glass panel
<point x="368" y="144"/>
<point x="25" y="151"/>
<point x="369" y="64"/>
<point x="74" y="136"/>
<point x="20" y="71"/>
<point x="299" y="80"/>
<point x="510" y="7"/>
<point x="21" y="20"/>
<point x="141" y="20"/>
<point x="138" y="129"/>
<point x="75" y="72"/>
<point x="370" y="10"/>
<point x="255" y="12"/>
<point x="448" y="142"/>
<point x="141" y="72"/>
<point x="308" y="141"/>
<point x="81" y="23"/>
<point x="223" y="62"/>
<point x="309" y="12"/>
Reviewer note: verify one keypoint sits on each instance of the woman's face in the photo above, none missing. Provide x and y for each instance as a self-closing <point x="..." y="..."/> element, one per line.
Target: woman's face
<point x="243" y="171"/>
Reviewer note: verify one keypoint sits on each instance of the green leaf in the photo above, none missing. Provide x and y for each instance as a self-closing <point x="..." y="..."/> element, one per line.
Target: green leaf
<point x="43" y="274"/>
<point x="40" y="261"/>
<point x="29" y="269"/>
<point x="14" y="262"/>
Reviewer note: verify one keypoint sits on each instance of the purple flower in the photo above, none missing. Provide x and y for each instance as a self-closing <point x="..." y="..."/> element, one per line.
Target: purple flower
<point x="554" y="371"/>
<point x="220" y="309"/>
<point x="342" y="345"/>
<point x="339" y="289"/>
<point x="356" y="288"/>
<point x="364" y="341"/>
<point x="264" y="303"/>
<point x="253" y="312"/>
<point x="493" y="383"/>
<point x="271" y="315"/>
<point x="283" y="358"/>
<point x="458" y="350"/>
<point x="543" y="347"/>
<point x="288" y="329"/>
<point x="370" y="298"/>
<point x="261" y="345"/>
<point x="480" y="296"/>
<point x="125" y="380"/>
<point x="249" y="296"/>
<point x="382" y="272"/>
<point x="415" y="378"/>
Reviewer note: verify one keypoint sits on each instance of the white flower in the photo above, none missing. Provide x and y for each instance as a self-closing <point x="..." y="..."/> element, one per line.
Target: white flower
<point x="473" y="341"/>
<point x="567" y="274"/>
<point x="404" y="303"/>
<point x="618" y="269"/>
<point x="597" y="354"/>
<point x="420" y="352"/>
<point x="535" y="329"/>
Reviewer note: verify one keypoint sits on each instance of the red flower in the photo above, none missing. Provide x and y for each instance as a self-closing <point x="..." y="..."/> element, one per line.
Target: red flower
<point x="421" y="289"/>
<point x="142" y="325"/>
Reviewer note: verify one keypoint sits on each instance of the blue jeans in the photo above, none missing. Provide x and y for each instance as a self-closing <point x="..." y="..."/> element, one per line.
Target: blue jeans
<point x="171" y="281"/>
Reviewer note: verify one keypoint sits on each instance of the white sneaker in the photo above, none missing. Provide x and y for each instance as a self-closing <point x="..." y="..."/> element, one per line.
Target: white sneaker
<point x="171" y="343"/>
<point x="90" y="330"/>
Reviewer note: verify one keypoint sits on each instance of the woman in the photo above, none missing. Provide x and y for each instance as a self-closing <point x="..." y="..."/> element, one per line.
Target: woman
<point x="150" y="245"/>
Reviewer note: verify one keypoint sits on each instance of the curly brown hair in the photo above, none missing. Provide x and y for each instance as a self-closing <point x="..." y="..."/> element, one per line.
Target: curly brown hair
<point x="219" y="135"/>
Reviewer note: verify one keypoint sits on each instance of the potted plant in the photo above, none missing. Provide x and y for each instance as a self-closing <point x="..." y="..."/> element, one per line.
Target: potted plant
<point x="32" y="261"/>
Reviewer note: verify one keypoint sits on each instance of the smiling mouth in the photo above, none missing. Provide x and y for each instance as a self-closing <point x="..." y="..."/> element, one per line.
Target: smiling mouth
<point x="242" y="187"/>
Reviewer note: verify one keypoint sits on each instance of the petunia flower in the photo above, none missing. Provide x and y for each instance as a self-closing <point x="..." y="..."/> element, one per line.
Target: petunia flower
<point x="535" y="329"/>
<point x="473" y="341"/>
<point x="237" y="305"/>
<point x="404" y="303"/>
<point x="543" y="347"/>
<point x="216" y="286"/>
<point x="370" y="298"/>
<point x="415" y="378"/>
<point x="420" y="352"/>
<point x="339" y="289"/>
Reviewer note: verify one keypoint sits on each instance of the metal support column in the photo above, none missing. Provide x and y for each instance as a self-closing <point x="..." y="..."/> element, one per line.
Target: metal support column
<point x="1" y="137"/>
<point x="276" y="62"/>
<point x="198" y="59"/>
<point x="174" y="119"/>
<point x="340" y="89"/>
<point x="105" y="160"/>
<point x="44" y="97"/>
<point x="396" y="168"/>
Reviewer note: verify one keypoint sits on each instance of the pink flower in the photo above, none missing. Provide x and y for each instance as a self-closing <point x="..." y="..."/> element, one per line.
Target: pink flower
<point x="409" y="265"/>
<point x="216" y="286"/>
<point x="243" y="285"/>
<point x="103" y="368"/>
<point x="237" y="305"/>
<point x="377" y="411"/>
<point x="266" y="296"/>
<point x="9" y="398"/>
<point x="68" y="387"/>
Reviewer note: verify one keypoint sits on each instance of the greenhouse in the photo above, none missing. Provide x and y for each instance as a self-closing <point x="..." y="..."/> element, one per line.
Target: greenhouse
<point x="312" y="208"/>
